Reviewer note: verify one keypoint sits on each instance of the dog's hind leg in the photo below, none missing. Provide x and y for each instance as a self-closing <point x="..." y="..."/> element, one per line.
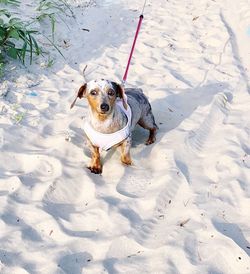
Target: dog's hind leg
<point x="148" y="122"/>
<point x="151" y="137"/>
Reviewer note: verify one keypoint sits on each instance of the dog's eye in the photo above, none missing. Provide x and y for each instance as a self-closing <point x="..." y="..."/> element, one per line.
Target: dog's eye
<point x="93" y="92"/>
<point x="111" y="92"/>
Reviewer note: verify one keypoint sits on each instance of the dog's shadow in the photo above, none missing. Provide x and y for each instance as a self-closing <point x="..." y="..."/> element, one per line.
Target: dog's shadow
<point x="177" y="106"/>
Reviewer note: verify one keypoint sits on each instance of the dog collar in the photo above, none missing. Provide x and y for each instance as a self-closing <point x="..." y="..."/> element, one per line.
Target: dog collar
<point x="107" y="140"/>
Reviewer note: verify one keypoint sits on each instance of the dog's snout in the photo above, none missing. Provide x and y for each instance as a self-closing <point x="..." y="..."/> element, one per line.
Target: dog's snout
<point x="104" y="107"/>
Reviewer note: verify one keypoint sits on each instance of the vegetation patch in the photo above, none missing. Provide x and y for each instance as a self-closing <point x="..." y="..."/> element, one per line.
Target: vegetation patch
<point x="18" y="38"/>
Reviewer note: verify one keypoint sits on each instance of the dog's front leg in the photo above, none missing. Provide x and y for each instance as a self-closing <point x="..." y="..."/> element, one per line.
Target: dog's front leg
<point x="125" y="151"/>
<point x="95" y="165"/>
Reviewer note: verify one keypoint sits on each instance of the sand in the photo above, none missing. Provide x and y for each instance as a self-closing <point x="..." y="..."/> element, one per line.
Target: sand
<point x="183" y="206"/>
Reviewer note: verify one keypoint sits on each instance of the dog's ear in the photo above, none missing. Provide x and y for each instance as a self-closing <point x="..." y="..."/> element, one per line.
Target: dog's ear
<point x="120" y="92"/>
<point x="80" y="94"/>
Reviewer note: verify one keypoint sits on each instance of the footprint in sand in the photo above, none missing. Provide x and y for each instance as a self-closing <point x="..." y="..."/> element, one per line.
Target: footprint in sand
<point x="136" y="184"/>
<point x="141" y="176"/>
<point x="152" y="232"/>
<point x="198" y="140"/>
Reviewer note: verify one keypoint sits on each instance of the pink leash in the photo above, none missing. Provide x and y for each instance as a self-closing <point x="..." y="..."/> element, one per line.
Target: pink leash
<point x="124" y="79"/>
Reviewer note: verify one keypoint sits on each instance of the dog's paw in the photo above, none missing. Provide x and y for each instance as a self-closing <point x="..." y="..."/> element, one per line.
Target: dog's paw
<point x="151" y="137"/>
<point x="95" y="169"/>
<point x="126" y="161"/>
<point x="150" y="141"/>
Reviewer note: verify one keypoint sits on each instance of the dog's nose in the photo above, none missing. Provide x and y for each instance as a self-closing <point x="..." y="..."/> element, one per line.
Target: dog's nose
<point x="104" y="107"/>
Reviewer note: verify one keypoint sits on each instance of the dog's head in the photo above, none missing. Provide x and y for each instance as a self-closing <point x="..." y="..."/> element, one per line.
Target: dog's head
<point x="101" y="95"/>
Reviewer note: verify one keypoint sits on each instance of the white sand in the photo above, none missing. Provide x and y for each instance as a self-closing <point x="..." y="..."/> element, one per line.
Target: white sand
<point x="183" y="207"/>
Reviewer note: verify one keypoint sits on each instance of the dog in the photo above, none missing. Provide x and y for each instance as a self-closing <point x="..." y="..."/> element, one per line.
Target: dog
<point x="113" y="114"/>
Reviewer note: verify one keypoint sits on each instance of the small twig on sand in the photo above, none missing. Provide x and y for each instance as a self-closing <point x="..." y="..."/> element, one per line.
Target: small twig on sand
<point x="83" y="72"/>
<point x="185" y="203"/>
<point x="199" y="256"/>
<point x="184" y="222"/>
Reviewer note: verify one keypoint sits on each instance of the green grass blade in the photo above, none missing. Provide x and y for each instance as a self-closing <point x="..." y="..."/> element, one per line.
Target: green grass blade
<point x="53" y="21"/>
<point x="55" y="46"/>
<point x="12" y="52"/>
<point x="23" y="52"/>
<point x="31" y="49"/>
<point x="10" y="2"/>
<point x="37" y="48"/>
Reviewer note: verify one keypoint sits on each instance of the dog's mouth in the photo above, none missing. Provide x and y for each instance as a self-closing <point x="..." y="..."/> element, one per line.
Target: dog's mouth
<point x="103" y="112"/>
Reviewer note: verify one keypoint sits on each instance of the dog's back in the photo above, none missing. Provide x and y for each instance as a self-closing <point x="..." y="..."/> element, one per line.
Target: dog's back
<point x="141" y="108"/>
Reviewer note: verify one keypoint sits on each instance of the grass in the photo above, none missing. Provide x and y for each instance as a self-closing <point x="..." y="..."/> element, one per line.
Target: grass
<point x="1" y="65"/>
<point x="18" y="38"/>
<point x="10" y="2"/>
<point x="15" y="39"/>
<point x="52" y="9"/>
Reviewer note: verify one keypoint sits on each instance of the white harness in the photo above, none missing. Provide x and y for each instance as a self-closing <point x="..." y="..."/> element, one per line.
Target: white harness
<point x="106" y="140"/>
